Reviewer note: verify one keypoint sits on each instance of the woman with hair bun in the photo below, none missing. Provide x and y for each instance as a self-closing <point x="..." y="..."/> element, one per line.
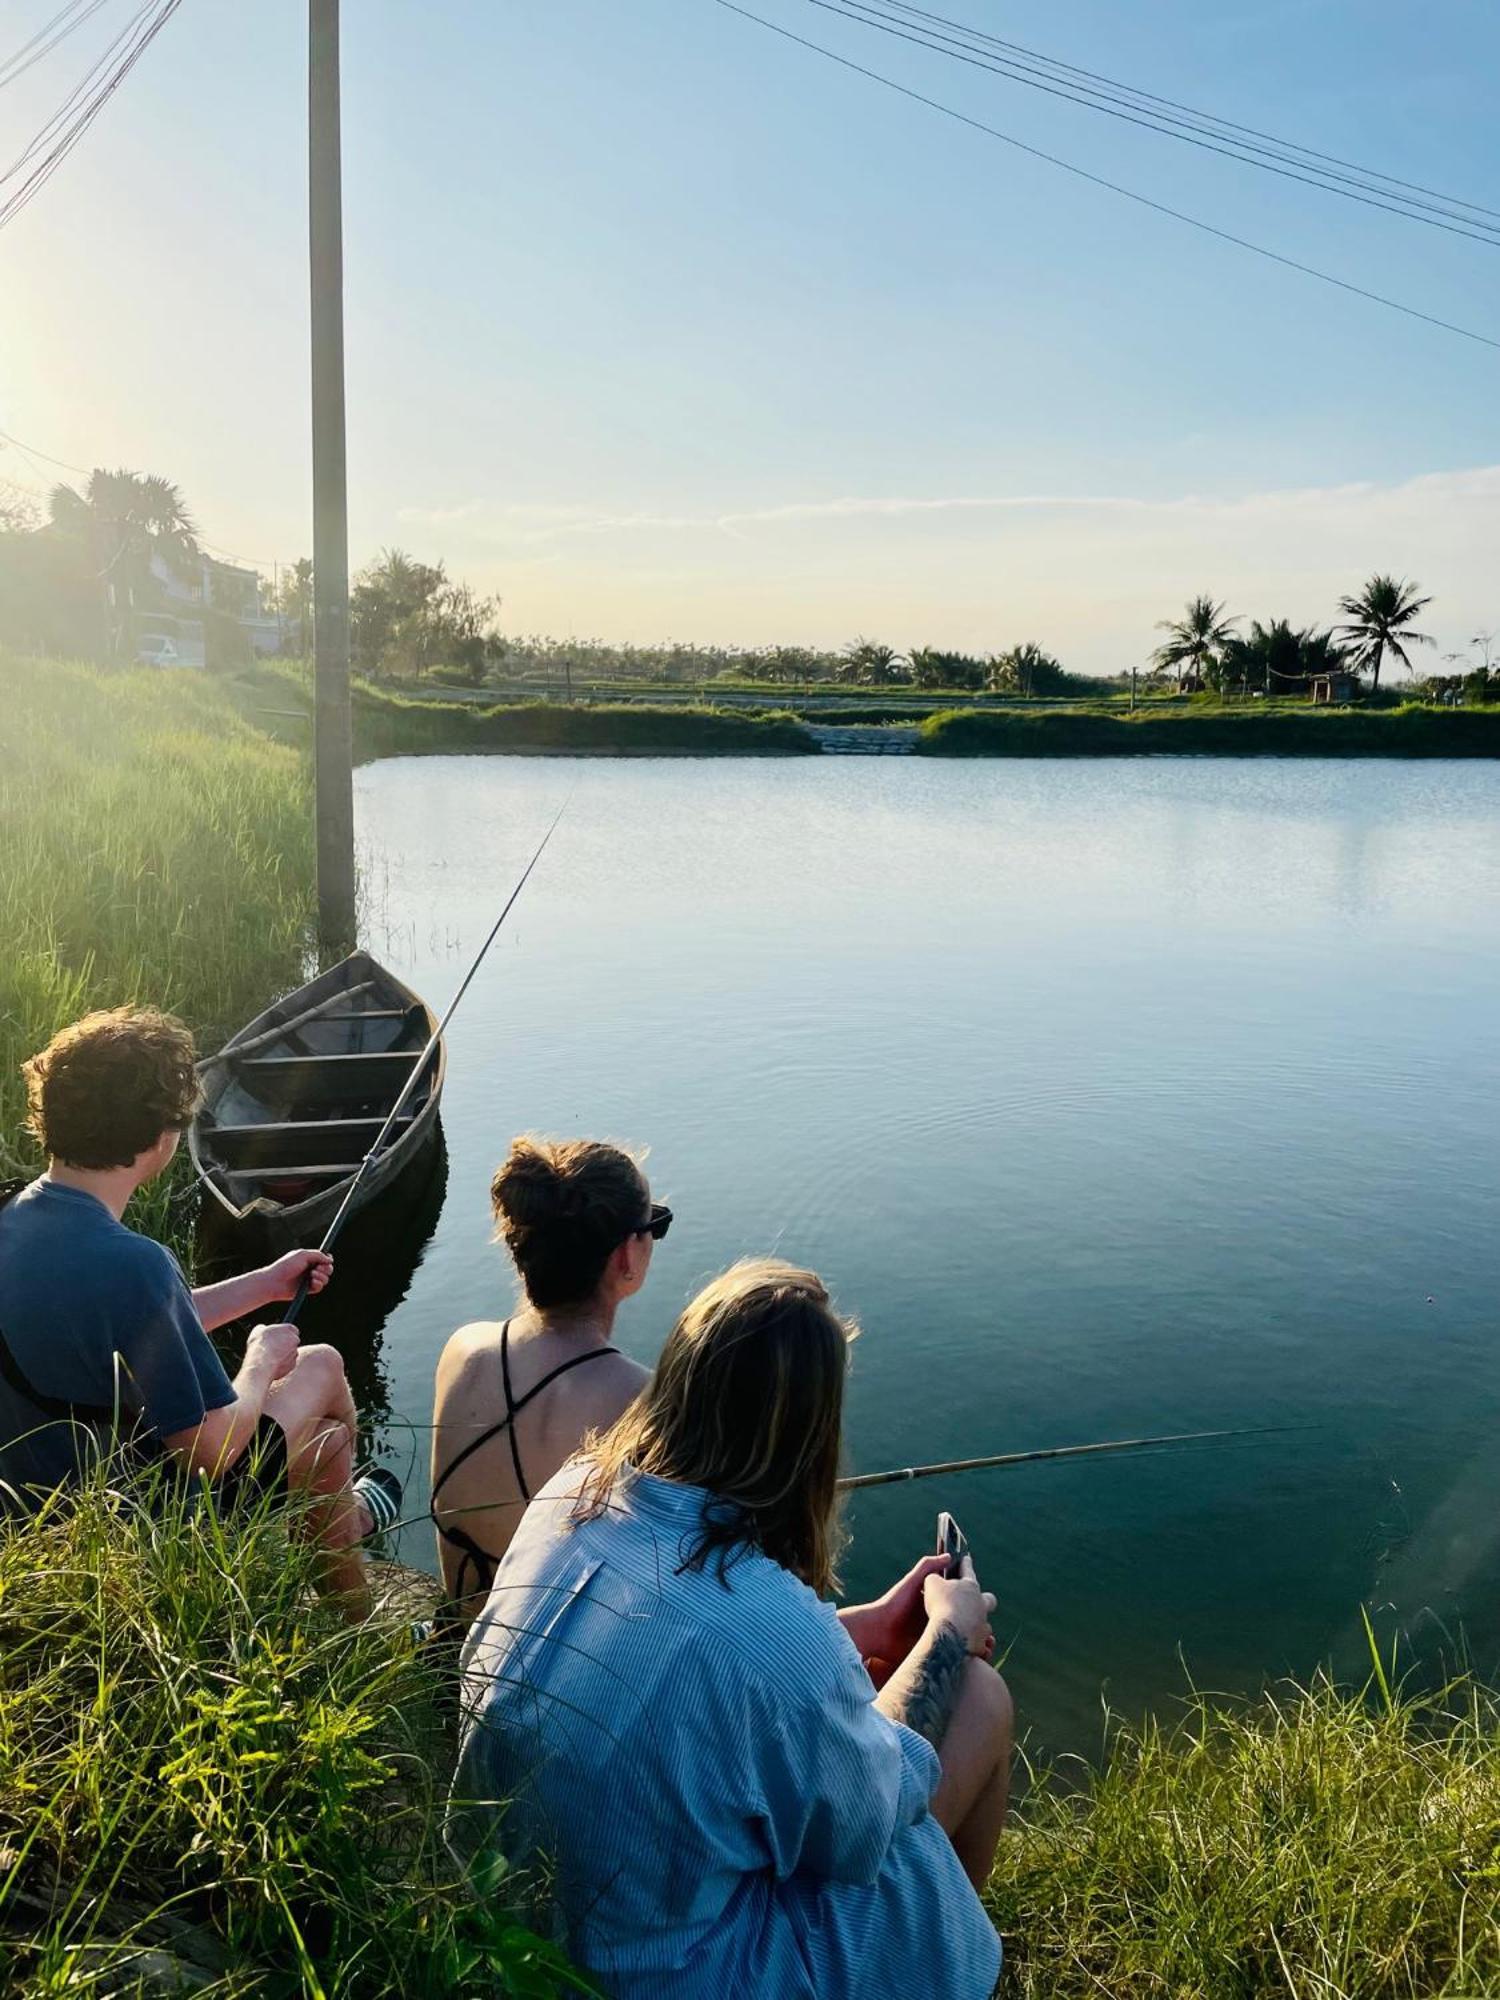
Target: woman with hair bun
<point x="515" y="1400"/>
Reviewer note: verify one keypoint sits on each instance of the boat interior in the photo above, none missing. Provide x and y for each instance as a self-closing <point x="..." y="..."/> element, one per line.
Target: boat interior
<point x="296" y="1113"/>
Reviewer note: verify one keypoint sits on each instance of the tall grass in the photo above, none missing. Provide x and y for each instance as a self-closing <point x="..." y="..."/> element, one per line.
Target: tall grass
<point x="1321" y="1845"/>
<point x="205" y="1777"/>
<point x="154" y="846"/>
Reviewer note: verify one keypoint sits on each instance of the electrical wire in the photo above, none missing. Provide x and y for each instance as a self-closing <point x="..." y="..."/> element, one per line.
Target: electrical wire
<point x="1113" y="187"/>
<point x="29" y="52"/>
<point x="65" y="129"/>
<point x="1113" y="106"/>
<point x="79" y="95"/>
<point x="1202" y="118"/>
<point x="35" y="451"/>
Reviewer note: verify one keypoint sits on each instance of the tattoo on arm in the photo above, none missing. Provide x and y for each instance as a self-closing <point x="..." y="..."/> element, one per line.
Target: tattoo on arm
<point x="927" y="1702"/>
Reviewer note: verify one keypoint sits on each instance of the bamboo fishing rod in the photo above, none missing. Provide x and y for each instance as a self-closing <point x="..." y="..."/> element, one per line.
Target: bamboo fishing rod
<point x="290" y="1315"/>
<point x="899" y="1474"/>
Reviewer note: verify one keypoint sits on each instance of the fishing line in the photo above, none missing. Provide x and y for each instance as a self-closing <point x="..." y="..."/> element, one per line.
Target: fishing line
<point x="289" y="1317"/>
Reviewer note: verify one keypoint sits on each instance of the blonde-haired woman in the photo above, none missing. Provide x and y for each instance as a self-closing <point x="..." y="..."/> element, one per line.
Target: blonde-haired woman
<point x="514" y="1399"/>
<point x="682" y="1727"/>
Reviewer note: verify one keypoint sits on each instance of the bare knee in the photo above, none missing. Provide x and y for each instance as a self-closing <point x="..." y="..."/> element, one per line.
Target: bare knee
<point x="987" y="1690"/>
<point x="322" y="1369"/>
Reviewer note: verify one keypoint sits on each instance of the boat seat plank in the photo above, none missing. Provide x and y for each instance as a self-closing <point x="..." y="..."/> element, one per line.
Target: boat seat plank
<point x="296" y="1081"/>
<point x="242" y="1148"/>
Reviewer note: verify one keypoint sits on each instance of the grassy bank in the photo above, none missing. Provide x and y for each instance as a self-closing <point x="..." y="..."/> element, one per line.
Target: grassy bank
<point x="156" y="846"/>
<point x="385" y="725"/>
<point x="1195" y="731"/>
<point x="198" y="1771"/>
<point x="1322" y="1845"/>
<point x="207" y="1781"/>
<point x="278" y="694"/>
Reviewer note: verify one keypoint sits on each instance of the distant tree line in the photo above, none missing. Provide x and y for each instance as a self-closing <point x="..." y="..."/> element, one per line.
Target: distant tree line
<point x="1203" y="650"/>
<point x="84" y="577"/>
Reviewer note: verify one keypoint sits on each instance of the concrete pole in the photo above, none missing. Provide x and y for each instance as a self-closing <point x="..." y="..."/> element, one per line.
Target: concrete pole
<point x="333" y="750"/>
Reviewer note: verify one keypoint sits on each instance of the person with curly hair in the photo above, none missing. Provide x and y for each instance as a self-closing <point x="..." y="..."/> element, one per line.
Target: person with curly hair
<point x="104" y="1346"/>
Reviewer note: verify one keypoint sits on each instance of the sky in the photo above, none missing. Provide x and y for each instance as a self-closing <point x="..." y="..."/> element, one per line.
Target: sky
<point x="662" y="327"/>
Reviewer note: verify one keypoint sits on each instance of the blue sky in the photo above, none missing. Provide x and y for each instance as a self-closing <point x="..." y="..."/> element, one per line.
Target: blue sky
<point x="663" y="327"/>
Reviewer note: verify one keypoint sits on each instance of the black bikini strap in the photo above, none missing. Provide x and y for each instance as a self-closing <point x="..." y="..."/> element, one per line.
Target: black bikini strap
<point x="511" y="1410"/>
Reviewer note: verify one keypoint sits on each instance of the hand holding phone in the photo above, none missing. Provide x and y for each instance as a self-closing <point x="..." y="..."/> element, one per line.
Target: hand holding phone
<point x="953" y="1543"/>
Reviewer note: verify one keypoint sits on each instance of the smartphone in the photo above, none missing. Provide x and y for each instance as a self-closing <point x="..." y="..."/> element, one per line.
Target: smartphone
<point x="952" y="1541"/>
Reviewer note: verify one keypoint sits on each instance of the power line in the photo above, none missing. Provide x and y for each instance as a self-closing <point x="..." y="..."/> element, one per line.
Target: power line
<point x="79" y="91"/>
<point x="1173" y="104"/>
<point x="30" y="52"/>
<point x="1114" y="187"/>
<point x="72" y="124"/>
<point x="1112" y="105"/>
<point x="33" y="452"/>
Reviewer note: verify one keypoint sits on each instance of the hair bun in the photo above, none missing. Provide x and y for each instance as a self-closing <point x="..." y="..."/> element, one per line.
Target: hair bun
<point x="562" y="1206"/>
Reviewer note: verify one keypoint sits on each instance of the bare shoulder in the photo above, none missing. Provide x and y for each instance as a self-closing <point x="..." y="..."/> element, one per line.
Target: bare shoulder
<point x="608" y="1386"/>
<point x="465" y="1354"/>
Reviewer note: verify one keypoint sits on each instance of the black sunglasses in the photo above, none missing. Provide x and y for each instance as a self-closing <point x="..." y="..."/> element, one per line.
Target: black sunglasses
<point x="657" y="1223"/>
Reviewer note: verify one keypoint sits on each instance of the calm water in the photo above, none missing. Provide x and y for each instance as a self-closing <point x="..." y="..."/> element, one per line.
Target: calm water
<point x="1112" y="1098"/>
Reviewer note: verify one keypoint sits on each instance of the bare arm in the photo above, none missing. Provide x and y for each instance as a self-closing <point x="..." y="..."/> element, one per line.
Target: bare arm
<point x="234" y="1298"/>
<point x="213" y="1445"/>
<point x="922" y="1691"/>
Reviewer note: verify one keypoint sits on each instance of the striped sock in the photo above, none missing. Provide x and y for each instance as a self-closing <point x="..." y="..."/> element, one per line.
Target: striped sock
<point x="380" y="1490"/>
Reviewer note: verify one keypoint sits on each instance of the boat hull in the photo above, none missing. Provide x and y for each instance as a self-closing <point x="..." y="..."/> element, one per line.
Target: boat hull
<point x="294" y="1102"/>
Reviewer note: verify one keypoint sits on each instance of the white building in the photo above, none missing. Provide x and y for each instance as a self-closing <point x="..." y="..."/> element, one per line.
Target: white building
<point x="172" y="634"/>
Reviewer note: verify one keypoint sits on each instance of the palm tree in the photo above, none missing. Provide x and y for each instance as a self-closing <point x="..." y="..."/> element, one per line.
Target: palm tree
<point x="1380" y="619"/>
<point x="1278" y="659"/>
<point x="128" y="520"/>
<point x="1026" y="669"/>
<point x="872" y="664"/>
<point x="1195" y="639"/>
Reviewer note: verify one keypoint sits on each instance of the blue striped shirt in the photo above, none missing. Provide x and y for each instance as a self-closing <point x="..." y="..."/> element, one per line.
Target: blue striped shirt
<point x="726" y="1810"/>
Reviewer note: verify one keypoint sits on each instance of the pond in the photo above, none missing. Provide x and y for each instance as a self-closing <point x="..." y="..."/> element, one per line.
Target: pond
<point x="1113" y="1098"/>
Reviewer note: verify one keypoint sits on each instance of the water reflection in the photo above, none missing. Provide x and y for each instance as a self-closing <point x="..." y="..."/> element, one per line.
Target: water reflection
<point x="377" y="1256"/>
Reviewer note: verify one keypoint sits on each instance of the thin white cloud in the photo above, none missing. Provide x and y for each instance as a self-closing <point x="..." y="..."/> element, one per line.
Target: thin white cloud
<point x="528" y="523"/>
<point x="1090" y="575"/>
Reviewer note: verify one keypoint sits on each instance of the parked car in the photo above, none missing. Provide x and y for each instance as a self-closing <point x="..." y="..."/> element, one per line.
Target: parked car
<point x="156" y="651"/>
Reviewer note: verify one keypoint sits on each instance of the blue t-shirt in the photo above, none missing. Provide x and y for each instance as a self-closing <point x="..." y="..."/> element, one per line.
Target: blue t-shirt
<point x="91" y="1314"/>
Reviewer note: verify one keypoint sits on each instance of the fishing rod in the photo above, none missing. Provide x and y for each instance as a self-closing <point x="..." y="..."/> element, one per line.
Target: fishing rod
<point x="899" y="1474"/>
<point x="300" y="1299"/>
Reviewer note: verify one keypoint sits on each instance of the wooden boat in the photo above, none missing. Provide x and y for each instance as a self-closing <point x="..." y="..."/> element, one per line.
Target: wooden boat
<point x="294" y="1102"/>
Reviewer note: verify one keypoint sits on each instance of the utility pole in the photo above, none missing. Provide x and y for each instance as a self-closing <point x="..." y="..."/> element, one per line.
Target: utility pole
<point x="333" y="746"/>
